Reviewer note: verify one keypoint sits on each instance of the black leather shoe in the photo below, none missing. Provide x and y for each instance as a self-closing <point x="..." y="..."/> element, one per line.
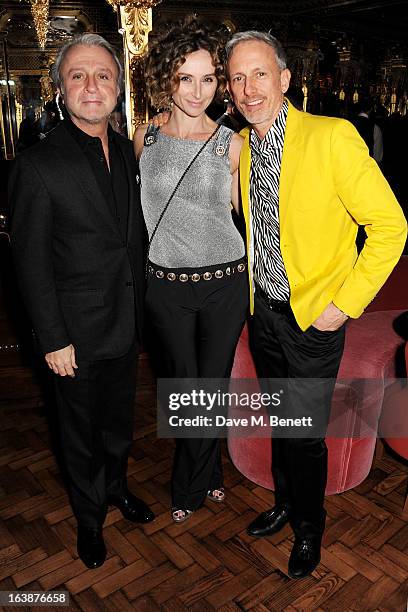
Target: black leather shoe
<point x="132" y="508"/>
<point x="91" y="547"/>
<point x="305" y="557"/>
<point x="269" y="522"/>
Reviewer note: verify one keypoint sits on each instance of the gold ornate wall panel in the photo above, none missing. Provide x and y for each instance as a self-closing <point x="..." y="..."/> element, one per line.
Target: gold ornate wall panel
<point x="135" y="25"/>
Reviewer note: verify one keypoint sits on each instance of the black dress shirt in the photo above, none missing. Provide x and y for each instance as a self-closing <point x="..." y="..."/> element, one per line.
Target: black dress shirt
<point x="112" y="179"/>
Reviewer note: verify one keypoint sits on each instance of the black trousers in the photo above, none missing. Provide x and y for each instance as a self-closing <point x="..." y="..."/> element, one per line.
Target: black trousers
<point x="299" y="465"/>
<point x="96" y="410"/>
<point x="196" y="328"/>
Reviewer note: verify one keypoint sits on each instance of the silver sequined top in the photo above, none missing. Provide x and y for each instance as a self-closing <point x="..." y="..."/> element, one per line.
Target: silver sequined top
<point x="197" y="229"/>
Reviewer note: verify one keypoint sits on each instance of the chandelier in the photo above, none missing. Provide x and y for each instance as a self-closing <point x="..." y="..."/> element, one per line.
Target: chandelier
<point x="135" y="4"/>
<point x="39" y="10"/>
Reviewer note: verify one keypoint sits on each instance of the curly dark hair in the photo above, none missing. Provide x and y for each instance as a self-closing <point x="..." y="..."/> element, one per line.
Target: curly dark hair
<point x="168" y="51"/>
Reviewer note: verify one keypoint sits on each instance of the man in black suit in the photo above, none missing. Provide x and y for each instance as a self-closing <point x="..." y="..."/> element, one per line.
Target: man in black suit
<point x="77" y="238"/>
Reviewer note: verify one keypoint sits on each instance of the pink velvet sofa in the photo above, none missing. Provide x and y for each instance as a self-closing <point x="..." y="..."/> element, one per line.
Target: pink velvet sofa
<point x="369" y="365"/>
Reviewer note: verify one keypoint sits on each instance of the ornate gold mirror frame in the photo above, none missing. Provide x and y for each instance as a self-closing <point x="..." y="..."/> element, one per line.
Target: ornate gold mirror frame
<point x="134" y="23"/>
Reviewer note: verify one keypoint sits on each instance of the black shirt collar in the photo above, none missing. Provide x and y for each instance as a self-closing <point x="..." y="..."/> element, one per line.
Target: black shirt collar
<point x="82" y="138"/>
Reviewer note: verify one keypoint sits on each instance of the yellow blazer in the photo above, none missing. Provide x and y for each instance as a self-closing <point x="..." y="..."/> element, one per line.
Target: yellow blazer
<point x="328" y="186"/>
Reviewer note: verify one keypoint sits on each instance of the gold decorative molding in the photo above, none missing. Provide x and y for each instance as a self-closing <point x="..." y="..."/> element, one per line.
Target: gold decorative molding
<point x="136" y="4"/>
<point x="134" y="23"/>
<point x="137" y="24"/>
<point x="47" y="91"/>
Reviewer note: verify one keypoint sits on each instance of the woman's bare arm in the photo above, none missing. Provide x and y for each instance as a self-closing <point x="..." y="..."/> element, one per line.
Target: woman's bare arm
<point x="138" y="139"/>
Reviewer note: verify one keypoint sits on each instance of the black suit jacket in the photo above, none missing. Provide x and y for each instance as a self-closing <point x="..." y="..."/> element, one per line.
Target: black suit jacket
<point x="81" y="281"/>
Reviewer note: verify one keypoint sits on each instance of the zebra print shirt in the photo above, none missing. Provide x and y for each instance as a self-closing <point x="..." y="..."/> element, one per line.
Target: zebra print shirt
<point x="266" y="156"/>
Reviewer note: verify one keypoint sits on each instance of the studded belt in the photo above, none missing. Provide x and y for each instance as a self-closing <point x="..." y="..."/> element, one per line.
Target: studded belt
<point x="194" y="277"/>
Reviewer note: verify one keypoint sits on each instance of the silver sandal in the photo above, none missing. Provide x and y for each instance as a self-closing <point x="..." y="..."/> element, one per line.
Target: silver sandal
<point x="216" y="495"/>
<point x="179" y="516"/>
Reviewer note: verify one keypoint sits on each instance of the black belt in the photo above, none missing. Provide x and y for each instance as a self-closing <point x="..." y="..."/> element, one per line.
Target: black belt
<point x="195" y="275"/>
<point x="281" y="306"/>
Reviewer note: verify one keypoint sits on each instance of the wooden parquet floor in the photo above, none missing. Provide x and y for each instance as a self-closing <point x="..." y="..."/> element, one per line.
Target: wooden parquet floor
<point x="208" y="563"/>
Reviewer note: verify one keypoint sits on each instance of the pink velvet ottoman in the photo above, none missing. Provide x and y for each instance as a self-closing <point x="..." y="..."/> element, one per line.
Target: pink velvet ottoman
<point x="367" y="367"/>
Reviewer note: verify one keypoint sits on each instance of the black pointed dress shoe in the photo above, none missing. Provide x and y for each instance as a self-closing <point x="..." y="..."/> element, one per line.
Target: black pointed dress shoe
<point x="132" y="508"/>
<point x="269" y="522"/>
<point x="91" y="547"/>
<point x="305" y="557"/>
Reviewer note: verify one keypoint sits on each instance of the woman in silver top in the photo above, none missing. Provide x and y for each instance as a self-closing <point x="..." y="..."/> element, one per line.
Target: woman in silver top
<point x="197" y="284"/>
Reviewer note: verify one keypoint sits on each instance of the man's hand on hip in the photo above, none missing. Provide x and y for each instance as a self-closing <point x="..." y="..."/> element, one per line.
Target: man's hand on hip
<point x="331" y="319"/>
<point x="62" y="362"/>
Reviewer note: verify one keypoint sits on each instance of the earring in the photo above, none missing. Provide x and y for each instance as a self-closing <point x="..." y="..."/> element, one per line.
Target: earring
<point x="228" y="103"/>
<point x="58" y="97"/>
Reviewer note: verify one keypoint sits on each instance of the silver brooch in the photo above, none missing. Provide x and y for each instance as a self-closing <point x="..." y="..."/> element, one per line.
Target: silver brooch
<point x="220" y="150"/>
<point x="149" y="140"/>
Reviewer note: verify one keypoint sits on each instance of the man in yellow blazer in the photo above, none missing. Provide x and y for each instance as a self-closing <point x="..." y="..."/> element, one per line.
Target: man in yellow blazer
<point x="307" y="182"/>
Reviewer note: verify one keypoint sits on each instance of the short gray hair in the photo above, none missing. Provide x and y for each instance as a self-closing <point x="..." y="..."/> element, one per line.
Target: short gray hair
<point x="90" y="40"/>
<point x="260" y="36"/>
